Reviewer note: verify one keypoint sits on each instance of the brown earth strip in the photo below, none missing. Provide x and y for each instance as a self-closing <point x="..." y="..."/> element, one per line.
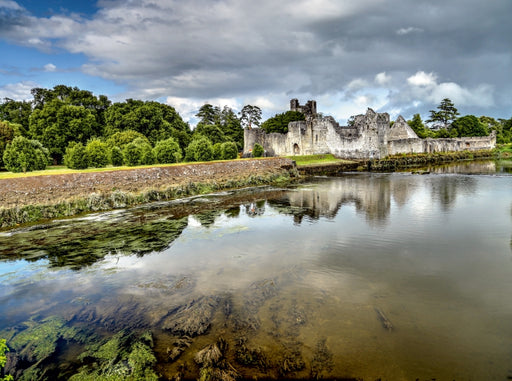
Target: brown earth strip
<point x="52" y="189"/>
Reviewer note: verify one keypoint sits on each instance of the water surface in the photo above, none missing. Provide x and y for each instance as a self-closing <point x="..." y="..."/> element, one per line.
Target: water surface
<point x="392" y="276"/>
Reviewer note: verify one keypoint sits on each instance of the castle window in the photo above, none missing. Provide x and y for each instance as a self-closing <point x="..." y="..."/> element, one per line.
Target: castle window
<point x="316" y="138"/>
<point x="296" y="149"/>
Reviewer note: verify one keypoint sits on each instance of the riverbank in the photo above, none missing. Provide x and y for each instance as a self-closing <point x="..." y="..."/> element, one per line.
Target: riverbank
<point x="34" y="198"/>
<point x="401" y="162"/>
<point x="396" y="162"/>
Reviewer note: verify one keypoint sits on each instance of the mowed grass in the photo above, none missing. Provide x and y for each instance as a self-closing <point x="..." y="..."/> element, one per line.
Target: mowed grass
<point x="317" y="159"/>
<point x="62" y="170"/>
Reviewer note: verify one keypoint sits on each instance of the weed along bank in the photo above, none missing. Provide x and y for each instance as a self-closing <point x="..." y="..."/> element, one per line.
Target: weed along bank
<point x="371" y="136"/>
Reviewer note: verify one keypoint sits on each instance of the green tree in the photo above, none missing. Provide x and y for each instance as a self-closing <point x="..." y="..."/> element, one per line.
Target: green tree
<point x="279" y="122"/>
<point x="250" y="116"/>
<point x="210" y="131"/>
<point x="138" y="152"/>
<point x="469" y="125"/>
<point x="97" y="152"/>
<point x="17" y="112"/>
<point x="76" y="156"/>
<point x="258" y="150"/>
<point x="154" y="120"/>
<point x="444" y="116"/>
<point x="122" y="138"/>
<point x="6" y="136"/>
<point x="200" y="149"/>
<point x="56" y="124"/>
<point x="229" y="151"/>
<point x="24" y="155"/>
<point x="116" y="156"/>
<point x="217" y="151"/>
<point x="167" y="151"/>
<point x="208" y="114"/>
<point x="231" y="126"/>
<point x="419" y="128"/>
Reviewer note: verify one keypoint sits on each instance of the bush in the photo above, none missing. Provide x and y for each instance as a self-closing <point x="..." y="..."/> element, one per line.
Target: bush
<point x="24" y="155"/>
<point x="200" y="149"/>
<point x="258" y="150"/>
<point x="116" y="156"/>
<point x="121" y="139"/>
<point x="76" y="156"/>
<point x="138" y="152"/>
<point x="229" y="151"/>
<point x="97" y="153"/>
<point x="217" y="151"/>
<point x="167" y="151"/>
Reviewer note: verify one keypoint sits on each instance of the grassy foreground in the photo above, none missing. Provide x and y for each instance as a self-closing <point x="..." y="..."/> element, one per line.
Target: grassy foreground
<point x="317" y="159"/>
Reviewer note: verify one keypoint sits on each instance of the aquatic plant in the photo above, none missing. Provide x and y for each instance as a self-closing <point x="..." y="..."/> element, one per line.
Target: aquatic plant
<point x="3" y="359"/>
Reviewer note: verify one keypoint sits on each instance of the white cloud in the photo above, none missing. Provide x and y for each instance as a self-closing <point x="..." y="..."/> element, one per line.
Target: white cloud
<point x="12" y="5"/>
<point x="18" y="91"/>
<point x="357" y="84"/>
<point x="50" y="67"/>
<point x="382" y="79"/>
<point x="408" y="30"/>
<point x="422" y="79"/>
<point x="424" y="88"/>
<point x="188" y="108"/>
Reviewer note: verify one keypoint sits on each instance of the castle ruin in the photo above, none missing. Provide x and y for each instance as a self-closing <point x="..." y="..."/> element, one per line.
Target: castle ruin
<point x="371" y="136"/>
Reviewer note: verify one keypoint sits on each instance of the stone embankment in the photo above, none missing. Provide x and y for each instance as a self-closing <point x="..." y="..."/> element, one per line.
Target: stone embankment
<point x="32" y="198"/>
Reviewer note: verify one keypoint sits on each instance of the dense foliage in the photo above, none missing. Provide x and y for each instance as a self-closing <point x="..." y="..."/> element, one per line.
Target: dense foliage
<point x="279" y="122"/>
<point x="444" y="116"/>
<point x="22" y="155"/>
<point x="74" y="126"/>
<point x="76" y="156"/>
<point x="83" y="130"/>
<point x="168" y="151"/>
<point x="258" y="150"/>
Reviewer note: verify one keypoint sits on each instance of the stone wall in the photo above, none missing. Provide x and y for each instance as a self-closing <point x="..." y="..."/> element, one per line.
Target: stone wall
<point x="370" y="137"/>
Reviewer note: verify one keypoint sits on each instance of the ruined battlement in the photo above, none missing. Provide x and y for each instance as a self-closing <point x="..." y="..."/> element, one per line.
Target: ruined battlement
<point x="309" y="109"/>
<point x="371" y="136"/>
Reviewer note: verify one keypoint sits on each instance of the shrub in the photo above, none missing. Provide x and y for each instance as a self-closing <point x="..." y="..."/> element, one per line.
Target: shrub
<point x="217" y="151"/>
<point x="167" y="151"/>
<point x="258" y="150"/>
<point x="200" y="149"/>
<point x="229" y="151"/>
<point x="116" y="156"/>
<point x="76" y="156"/>
<point x="97" y="153"/>
<point x="24" y="155"/>
<point x="138" y="152"/>
<point x="121" y="139"/>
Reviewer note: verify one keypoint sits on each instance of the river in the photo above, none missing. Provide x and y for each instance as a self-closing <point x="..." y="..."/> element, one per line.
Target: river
<point x="363" y="276"/>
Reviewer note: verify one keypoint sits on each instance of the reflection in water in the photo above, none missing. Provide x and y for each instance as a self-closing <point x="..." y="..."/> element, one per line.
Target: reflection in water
<point x="364" y="276"/>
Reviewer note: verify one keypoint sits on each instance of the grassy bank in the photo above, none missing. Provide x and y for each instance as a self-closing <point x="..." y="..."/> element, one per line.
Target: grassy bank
<point x="317" y="160"/>
<point x="11" y="217"/>
<point x="404" y="161"/>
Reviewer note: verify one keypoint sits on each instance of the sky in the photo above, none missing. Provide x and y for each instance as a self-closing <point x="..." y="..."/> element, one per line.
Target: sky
<point x="396" y="56"/>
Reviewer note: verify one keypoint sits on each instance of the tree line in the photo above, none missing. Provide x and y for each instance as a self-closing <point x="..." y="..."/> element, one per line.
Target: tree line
<point x="70" y="126"/>
<point x="444" y="122"/>
<point x="67" y="125"/>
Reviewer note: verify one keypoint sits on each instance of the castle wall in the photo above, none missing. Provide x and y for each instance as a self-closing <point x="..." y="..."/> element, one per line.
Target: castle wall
<point x="371" y="137"/>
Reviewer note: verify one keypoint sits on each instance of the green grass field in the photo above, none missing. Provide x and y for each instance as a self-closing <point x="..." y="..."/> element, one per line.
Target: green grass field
<point x="316" y="159"/>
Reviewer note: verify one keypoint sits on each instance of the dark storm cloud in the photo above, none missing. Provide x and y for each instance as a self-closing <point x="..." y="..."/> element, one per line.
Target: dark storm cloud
<point x="318" y="48"/>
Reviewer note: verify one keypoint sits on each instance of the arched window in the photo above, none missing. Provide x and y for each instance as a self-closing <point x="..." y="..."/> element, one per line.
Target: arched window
<point x="296" y="149"/>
